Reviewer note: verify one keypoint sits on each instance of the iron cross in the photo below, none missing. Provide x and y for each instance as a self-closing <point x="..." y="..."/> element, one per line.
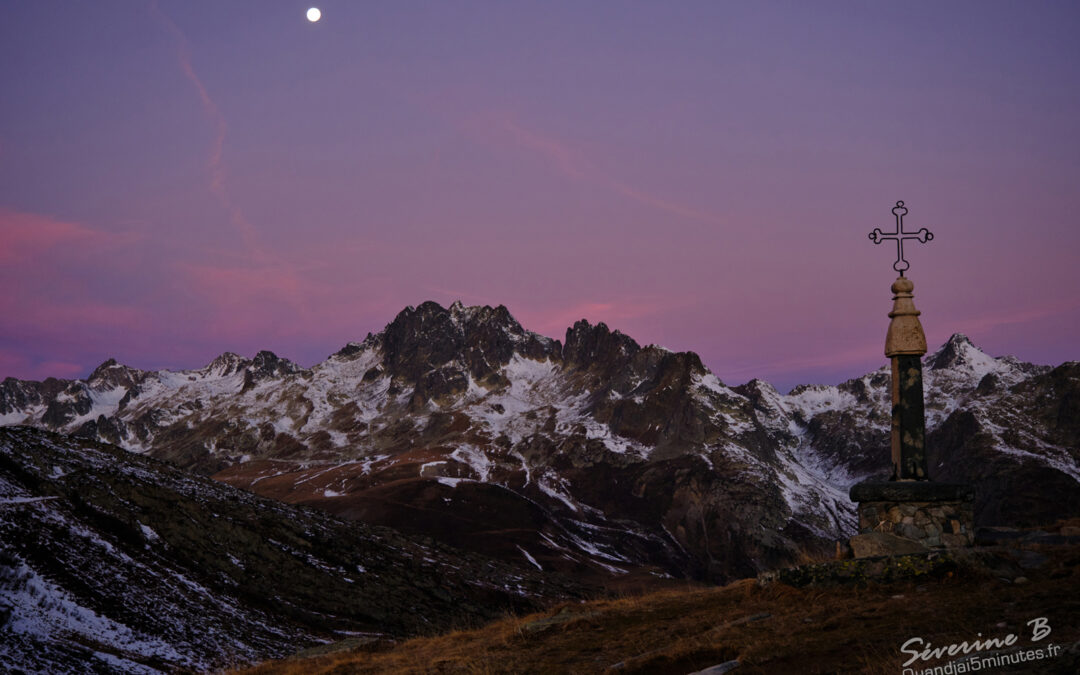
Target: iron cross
<point x="923" y="235"/>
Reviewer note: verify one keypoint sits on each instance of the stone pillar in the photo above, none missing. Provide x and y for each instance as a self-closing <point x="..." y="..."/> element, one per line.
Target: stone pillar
<point x="905" y="344"/>
<point x="910" y="512"/>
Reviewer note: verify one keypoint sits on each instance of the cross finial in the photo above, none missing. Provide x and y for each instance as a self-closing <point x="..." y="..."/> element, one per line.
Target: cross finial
<point x="923" y="235"/>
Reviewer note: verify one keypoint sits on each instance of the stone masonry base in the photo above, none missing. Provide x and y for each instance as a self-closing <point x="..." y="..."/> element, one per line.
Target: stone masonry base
<point x="938" y="524"/>
<point x="936" y="515"/>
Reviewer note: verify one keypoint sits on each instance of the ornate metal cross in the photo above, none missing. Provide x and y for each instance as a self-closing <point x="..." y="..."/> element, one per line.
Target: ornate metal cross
<point x="923" y="235"/>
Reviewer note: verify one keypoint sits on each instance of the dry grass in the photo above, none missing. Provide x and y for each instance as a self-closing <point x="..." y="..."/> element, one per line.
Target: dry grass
<point x="775" y="629"/>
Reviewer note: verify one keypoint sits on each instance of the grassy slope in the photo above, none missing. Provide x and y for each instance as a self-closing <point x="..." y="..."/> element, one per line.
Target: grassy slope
<point x="772" y="629"/>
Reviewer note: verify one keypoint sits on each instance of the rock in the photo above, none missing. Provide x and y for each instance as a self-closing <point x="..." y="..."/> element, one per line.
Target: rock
<point x="882" y="543"/>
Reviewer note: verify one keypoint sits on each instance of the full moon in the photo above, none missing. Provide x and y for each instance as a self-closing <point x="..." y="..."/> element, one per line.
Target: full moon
<point x="314" y="14"/>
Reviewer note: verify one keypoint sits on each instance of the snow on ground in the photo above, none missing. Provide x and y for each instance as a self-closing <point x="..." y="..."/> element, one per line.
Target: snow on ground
<point x="572" y="413"/>
<point x="475" y="459"/>
<point x="554" y="486"/>
<point x="524" y="467"/>
<point x="819" y="398"/>
<point x="149" y="533"/>
<point x="1053" y="456"/>
<point x="532" y="385"/>
<point x="451" y="482"/>
<point x="41" y="610"/>
<point x="423" y="467"/>
<point x="530" y="558"/>
<point x="808" y="493"/>
<point x="710" y="382"/>
<point x="101" y="403"/>
<point x="21" y="416"/>
<point x="24" y="500"/>
<point x="333" y="383"/>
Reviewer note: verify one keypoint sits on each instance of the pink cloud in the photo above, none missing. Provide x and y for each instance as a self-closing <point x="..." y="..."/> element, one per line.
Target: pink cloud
<point x="273" y="301"/>
<point x="81" y="328"/>
<point x="23" y="236"/>
<point x="62" y="294"/>
<point x="17" y="365"/>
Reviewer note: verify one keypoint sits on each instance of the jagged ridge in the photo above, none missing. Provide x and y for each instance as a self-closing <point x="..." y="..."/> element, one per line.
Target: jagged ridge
<point x="594" y="455"/>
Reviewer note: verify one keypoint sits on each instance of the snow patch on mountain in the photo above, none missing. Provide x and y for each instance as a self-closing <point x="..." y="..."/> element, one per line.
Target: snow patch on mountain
<point x="475" y="459"/>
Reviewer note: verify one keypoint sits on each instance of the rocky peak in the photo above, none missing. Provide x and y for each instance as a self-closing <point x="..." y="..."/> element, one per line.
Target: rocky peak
<point x="350" y="350"/>
<point x="871" y="389"/>
<point x="266" y="366"/>
<point x="429" y="337"/>
<point x="762" y="395"/>
<point x="484" y="315"/>
<point x="421" y="338"/>
<point x="106" y="365"/>
<point x="18" y="395"/>
<point x="110" y="375"/>
<point x="589" y="346"/>
<point x="959" y="363"/>
<point x="958" y="351"/>
<point x="226" y="364"/>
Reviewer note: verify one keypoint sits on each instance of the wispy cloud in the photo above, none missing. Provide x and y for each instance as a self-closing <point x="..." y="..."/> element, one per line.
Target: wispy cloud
<point x="259" y="277"/>
<point x="576" y="165"/>
<point x="215" y="163"/>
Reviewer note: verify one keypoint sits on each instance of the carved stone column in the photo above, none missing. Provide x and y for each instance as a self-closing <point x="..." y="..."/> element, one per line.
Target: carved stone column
<point x="905" y="345"/>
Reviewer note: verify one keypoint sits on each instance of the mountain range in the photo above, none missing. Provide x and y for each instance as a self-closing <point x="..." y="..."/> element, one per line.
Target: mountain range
<point x="593" y="456"/>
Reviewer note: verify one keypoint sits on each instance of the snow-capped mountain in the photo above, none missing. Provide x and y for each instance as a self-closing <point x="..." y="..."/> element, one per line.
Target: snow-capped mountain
<point x="591" y="455"/>
<point x="113" y="562"/>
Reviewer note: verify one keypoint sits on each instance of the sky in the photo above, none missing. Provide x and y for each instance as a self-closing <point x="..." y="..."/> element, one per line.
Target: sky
<point x="183" y="178"/>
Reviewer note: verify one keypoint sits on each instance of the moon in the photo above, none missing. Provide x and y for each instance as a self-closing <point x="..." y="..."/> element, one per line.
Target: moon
<point x="314" y="14"/>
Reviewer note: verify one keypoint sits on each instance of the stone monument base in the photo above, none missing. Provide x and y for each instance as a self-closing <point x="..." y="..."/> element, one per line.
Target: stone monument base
<point x="935" y="515"/>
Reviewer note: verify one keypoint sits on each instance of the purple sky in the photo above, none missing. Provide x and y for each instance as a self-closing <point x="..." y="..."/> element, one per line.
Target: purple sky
<point x="192" y="177"/>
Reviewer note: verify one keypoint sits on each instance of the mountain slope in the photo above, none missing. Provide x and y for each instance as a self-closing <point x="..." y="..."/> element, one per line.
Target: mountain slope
<point x="594" y="455"/>
<point x="114" y="562"/>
